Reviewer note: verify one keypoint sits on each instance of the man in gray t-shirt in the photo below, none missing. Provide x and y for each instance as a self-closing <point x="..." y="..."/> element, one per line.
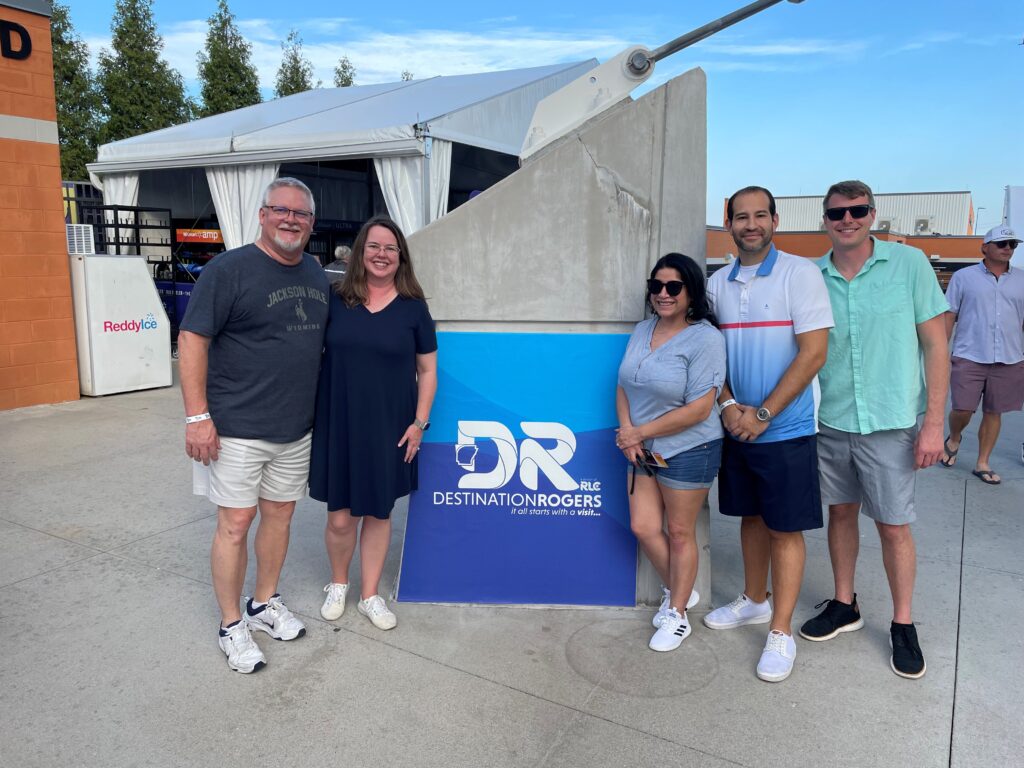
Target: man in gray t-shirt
<point x="249" y="353"/>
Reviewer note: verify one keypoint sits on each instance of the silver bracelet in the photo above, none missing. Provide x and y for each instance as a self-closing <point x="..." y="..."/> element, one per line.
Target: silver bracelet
<point x="197" y="417"/>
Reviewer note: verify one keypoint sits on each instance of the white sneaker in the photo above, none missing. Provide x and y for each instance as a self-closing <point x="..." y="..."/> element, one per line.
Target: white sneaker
<point x="376" y="610"/>
<point x="667" y="598"/>
<point x="334" y="603"/>
<point x="673" y="630"/>
<point x="777" y="658"/>
<point x="275" y="619"/>
<point x="243" y="654"/>
<point x="738" y="613"/>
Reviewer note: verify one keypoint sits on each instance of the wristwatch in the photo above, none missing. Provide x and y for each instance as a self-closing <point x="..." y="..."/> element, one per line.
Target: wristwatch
<point x="763" y="414"/>
<point x="423" y="425"/>
<point x="726" y="404"/>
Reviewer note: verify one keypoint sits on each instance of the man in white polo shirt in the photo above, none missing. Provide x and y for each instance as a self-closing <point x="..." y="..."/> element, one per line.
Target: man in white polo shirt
<point x="987" y="307"/>
<point x="774" y="311"/>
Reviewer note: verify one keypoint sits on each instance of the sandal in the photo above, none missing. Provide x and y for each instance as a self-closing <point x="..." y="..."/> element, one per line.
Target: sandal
<point x="950" y="458"/>
<point x="986" y="476"/>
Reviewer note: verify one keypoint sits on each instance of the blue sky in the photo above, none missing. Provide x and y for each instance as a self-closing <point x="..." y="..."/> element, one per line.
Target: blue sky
<point x="909" y="96"/>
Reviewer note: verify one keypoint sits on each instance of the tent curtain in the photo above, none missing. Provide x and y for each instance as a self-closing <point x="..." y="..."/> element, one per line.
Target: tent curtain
<point x="401" y="181"/>
<point x="118" y="189"/>
<point x="237" y="195"/>
<point x="440" y="176"/>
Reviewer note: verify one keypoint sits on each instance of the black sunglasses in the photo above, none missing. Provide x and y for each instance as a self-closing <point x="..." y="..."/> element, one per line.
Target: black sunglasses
<point x="674" y="287"/>
<point x="1011" y="244"/>
<point x="856" y="211"/>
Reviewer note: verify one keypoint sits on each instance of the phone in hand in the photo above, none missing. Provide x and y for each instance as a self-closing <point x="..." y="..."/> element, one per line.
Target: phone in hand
<point x="653" y="459"/>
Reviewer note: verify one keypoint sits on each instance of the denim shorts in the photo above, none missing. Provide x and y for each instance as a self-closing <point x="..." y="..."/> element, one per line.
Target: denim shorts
<point x="692" y="469"/>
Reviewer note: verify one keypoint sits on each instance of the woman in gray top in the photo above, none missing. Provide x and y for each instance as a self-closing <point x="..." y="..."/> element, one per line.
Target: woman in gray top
<point x="669" y="430"/>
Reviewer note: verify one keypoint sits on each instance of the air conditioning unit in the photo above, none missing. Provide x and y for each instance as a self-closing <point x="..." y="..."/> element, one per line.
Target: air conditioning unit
<point x="922" y="226"/>
<point x="885" y="225"/>
<point x="80" y="239"/>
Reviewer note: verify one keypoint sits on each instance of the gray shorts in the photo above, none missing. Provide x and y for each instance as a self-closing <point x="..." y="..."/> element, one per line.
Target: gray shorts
<point x="875" y="471"/>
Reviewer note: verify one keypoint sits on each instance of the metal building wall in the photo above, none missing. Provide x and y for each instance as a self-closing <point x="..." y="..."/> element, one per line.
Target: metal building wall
<point x="946" y="213"/>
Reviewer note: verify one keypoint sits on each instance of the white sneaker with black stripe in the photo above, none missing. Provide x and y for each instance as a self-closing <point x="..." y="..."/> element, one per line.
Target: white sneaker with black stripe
<point x="275" y="619"/>
<point x="673" y="630"/>
<point x="243" y="654"/>
<point x="665" y="605"/>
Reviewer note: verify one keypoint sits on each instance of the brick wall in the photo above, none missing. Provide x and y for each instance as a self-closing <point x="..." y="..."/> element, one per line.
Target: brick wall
<point x="37" y="335"/>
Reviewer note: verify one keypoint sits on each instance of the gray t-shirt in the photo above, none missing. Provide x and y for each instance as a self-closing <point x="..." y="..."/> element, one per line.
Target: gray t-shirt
<point x="681" y="370"/>
<point x="266" y="323"/>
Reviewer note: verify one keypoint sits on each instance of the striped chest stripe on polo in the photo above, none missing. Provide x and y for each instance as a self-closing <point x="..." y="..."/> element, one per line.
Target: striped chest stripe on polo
<point x="758" y="324"/>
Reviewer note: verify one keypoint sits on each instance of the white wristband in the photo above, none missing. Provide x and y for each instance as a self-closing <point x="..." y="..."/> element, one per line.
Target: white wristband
<point x="197" y="417"/>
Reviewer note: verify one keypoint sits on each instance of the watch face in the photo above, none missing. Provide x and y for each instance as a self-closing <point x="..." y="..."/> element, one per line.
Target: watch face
<point x="763" y="414"/>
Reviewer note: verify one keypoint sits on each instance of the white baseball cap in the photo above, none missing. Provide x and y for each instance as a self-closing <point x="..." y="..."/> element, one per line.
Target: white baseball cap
<point x="1000" y="234"/>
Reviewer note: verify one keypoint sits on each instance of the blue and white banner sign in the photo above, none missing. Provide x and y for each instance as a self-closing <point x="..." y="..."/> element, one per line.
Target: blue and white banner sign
<point x="522" y="492"/>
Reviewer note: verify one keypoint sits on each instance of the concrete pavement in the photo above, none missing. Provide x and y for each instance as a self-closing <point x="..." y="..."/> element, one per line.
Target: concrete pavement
<point x="108" y="655"/>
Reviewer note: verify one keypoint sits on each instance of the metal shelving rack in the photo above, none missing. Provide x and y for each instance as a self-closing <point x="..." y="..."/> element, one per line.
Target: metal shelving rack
<point x="134" y="230"/>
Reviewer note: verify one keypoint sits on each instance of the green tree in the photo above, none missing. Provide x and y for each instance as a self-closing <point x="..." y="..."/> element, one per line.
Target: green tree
<point x="78" y="101"/>
<point x="406" y="74"/>
<point x="344" y="73"/>
<point x="141" y="92"/>
<point x="295" y="74"/>
<point x="227" y="78"/>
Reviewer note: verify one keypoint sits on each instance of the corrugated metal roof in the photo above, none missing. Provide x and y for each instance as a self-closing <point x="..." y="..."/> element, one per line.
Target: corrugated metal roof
<point x="938" y="213"/>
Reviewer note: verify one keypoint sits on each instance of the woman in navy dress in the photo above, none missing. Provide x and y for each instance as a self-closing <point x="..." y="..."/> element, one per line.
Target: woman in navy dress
<point x="377" y="385"/>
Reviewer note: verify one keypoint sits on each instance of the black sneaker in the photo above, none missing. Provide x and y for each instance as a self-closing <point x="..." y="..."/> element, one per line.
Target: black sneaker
<point x="837" y="617"/>
<point x="907" y="659"/>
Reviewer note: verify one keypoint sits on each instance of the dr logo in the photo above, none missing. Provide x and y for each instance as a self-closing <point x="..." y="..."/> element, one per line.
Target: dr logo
<point x="530" y="458"/>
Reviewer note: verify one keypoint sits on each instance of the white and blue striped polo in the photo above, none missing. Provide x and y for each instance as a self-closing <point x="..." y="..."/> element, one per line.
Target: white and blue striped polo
<point x="761" y="309"/>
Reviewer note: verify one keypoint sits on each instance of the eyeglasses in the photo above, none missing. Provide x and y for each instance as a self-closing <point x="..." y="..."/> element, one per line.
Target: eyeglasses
<point x="375" y="248"/>
<point x="856" y="211"/>
<point x="1011" y="244"/>
<point x="282" y="213"/>
<point x="674" y="287"/>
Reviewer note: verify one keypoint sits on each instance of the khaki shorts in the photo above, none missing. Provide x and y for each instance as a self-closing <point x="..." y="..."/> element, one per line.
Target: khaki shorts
<point x="874" y="470"/>
<point x="249" y="470"/>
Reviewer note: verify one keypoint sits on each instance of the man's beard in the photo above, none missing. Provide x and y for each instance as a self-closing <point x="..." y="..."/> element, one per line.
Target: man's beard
<point x="764" y="241"/>
<point x="290" y="247"/>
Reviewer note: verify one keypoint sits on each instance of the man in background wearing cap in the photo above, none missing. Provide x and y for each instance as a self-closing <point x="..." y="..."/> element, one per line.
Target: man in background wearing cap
<point x="987" y="307"/>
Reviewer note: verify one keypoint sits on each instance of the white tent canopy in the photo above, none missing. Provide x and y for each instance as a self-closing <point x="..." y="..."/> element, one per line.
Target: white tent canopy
<point x="405" y="127"/>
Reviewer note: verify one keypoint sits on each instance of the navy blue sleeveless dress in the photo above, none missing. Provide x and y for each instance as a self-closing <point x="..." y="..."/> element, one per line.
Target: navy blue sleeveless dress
<point x="365" y="400"/>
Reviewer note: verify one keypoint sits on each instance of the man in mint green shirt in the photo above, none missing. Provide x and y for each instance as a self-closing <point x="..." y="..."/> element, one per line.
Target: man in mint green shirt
<point x="887" y="364"/>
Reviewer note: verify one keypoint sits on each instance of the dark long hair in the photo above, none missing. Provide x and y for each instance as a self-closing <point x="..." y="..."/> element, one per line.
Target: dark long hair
<point x="695" y="283"/>
<point x="353" y="288"/>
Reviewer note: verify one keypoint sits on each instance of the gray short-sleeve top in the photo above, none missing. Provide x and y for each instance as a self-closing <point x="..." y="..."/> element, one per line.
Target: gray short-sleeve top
<point x="681" y="370"/>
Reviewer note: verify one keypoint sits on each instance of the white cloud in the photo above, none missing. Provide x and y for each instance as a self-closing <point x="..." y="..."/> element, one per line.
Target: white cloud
<point x="786" y="48"/>
<point x="382" y="57"/>
<point x="925" y="41"/>
<point x="494" y="44"/>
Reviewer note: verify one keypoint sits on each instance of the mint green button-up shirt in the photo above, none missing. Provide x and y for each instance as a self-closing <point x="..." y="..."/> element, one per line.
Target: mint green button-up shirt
<point x="873" y="378"/>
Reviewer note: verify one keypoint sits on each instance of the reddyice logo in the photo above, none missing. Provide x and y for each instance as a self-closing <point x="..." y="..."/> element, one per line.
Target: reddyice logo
<point x="146" y="323"/>
<point x="530" y="457"/>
